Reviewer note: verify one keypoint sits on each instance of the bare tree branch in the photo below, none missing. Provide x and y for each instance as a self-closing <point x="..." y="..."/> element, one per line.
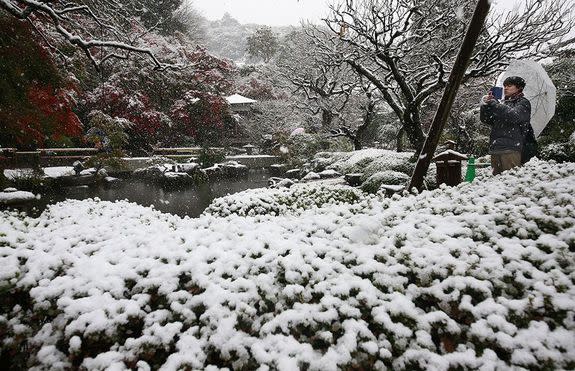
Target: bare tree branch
<point x="406" y="49"/>
<point x="62" y="17"/>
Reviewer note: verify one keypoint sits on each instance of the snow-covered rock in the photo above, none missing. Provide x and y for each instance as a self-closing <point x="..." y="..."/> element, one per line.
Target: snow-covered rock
<point x="311" y="176"/>
<point x="12" y="196"/>
<point x="293" y="173"/>
<point x="329" y="173"/>
<point x="276" y="182"/>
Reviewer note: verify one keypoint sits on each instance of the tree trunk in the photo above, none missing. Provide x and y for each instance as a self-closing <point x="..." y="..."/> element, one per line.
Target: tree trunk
<point x="326" y="119"/>
<point x="357" y="145"/>
<point x="399" y="141"/>
<point x="367" y="120"/>
<point x="414" y="133"/>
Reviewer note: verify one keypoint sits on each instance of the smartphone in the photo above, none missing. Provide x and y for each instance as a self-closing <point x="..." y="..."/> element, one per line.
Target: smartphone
<point x="497" y="92"/>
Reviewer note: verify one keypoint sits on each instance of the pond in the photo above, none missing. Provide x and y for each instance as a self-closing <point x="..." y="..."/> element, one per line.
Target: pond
<point x="190" y="201"/>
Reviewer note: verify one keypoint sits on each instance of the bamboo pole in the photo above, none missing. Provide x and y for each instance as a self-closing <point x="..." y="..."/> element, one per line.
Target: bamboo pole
<point x="455" y="78"/>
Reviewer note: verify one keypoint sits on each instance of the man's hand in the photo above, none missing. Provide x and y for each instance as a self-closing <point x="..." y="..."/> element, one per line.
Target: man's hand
<point x="489" y="97"/>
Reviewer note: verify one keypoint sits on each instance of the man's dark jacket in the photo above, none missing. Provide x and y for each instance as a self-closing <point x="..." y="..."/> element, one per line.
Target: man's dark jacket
<point x="509" y="123"/>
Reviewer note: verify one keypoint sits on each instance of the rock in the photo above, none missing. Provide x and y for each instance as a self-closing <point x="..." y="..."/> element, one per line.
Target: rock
<point x="102" y="173"/>
<point x="330" y="173"/>
<point x="150" y="173"/>
<point x="189" y="167"/>
<point x="111" y="180"/>
<point x="391" y="189"/>
<point x="173" y="179"/>
<point x="275" y="182"/>
<point x="15" y="197"/>
<point x="386" y="177"/>
<point x="311" y="176"/>
<point x="234" y="169"/>
<point x="78" y="167"/>
<point x="214" y="171"/>
<point x="293" y="173"/>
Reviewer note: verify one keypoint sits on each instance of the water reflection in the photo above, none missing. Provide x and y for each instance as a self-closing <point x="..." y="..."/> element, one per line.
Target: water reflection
<point x="190" y="201"/>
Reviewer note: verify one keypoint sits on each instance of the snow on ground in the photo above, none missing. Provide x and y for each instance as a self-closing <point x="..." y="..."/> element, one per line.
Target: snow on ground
<point x="480" y="276"/>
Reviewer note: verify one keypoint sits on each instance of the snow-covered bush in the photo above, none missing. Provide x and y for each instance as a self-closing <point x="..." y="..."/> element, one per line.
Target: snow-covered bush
<point x="478" y="276"/>
<point x="377" y="166"/>
<point x="560" y="152"/>
<point x="367" y="161"/>
<point x="389" y="177"/>
<point x="283" y="201"/>
<point x="296" y="150"/>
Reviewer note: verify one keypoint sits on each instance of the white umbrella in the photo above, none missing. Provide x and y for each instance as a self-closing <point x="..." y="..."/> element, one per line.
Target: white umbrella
<point x="539" y="89"/>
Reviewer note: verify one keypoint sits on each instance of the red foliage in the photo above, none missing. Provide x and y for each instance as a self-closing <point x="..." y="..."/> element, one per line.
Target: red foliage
<point x="172" y="106"/>
<point x="200" y="115"/>
<point x="133" y="106"/>
<point x="56" y="107"/>
<point x="35" y="103"/>
<point x="47" y="114"/>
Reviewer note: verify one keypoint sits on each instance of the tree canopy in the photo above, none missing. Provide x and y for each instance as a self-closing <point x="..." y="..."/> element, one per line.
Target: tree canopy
<point x="406" y="49"/>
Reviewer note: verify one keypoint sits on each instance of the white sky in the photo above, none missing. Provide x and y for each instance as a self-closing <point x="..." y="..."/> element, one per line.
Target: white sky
<point x="280" y="12"/>
<point x="266" y="12"/>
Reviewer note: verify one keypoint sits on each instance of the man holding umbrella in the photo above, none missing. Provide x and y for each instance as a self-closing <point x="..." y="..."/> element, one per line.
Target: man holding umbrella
<point x="510" y="124"/>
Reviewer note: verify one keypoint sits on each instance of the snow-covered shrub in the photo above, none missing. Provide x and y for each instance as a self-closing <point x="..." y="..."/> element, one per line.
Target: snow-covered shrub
<point x="389" y="177"/>
<point x="391" y="160"/>
<point x="322" y="160"/>
<point x="26" y="178"/>
<point x="560" y="152"/>
<point x="283" y="201"/>
<point x="367" y="161"/>
<point x="377" y="166"/>
<point x="210" y="156"/>
<point x="478" y="276"/>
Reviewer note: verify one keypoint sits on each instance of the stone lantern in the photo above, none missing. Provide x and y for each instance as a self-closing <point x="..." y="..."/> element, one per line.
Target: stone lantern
<point x="448" y="165"/>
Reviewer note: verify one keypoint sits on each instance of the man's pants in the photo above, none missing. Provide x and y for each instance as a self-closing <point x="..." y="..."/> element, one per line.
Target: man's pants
<point x="505" y="161"/>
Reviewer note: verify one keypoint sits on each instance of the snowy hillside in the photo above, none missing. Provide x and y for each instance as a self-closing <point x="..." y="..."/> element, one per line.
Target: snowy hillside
<point x="475" y="277"/>
<point x="227" y="37"/>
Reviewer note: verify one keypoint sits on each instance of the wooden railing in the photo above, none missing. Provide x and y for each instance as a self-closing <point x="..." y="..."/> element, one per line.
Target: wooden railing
<point x="13" y="158"/>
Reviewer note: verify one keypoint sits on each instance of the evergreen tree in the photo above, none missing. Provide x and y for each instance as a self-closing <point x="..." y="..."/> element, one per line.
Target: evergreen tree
<point x="263" y="44"/>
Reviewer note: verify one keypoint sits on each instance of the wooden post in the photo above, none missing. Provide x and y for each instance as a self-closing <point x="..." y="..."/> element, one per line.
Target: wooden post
<point x="455" y="78"/>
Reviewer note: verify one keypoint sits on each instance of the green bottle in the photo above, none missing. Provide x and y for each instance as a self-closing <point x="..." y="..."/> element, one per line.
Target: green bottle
<point x="470" y="174"/>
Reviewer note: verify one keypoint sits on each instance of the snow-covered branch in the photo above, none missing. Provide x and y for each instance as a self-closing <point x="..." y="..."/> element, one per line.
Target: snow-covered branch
<point x="75" y="24"/>
<point x="406" y="49"/>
